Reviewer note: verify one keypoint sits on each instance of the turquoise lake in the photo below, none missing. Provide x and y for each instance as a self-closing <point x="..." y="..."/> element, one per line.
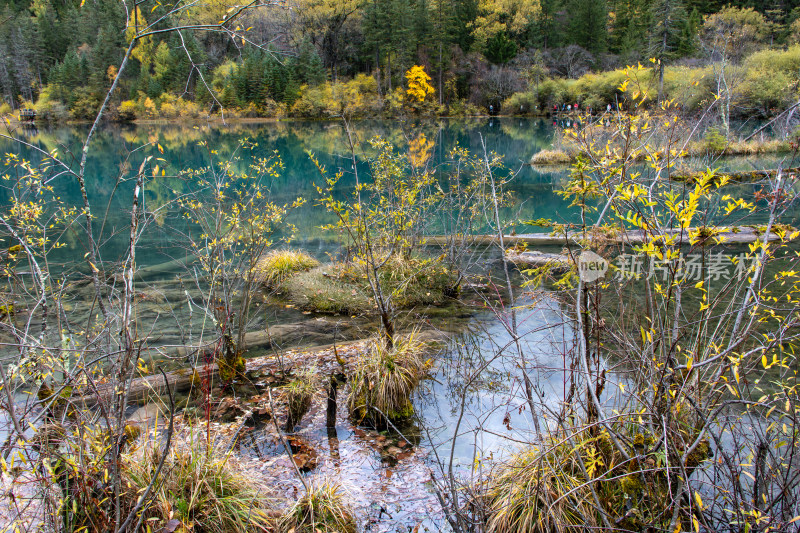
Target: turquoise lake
<point x="117" y="151"/>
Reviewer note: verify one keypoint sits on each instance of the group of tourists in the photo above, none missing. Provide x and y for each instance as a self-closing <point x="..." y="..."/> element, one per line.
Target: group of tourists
<point x="575" y="108"/>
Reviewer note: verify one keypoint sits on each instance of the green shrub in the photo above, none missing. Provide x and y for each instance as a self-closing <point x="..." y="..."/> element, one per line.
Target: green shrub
<point x="597" y="90"/>
<point x="271" y="108"/>
<point x="787" y="61"/>
<point x="360" y="96"/>
<point x="85" y="104"/>
<point x="553" y="92"/>
<point x="769" y="79"/>
<point x="690" y="88"/>
<point x="249" y="110"/>
<point x="523" y="103"/>
<point x="315" y="102"/>
<point x="49" y="106"/>
<point x="714" y="141"/>
<point x="356" y="98"/>
<point x="5" y="109"/>
<point x="462" y="108"/>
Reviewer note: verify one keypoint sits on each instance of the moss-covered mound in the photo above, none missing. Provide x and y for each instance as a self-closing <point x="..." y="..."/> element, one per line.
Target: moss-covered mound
<point x="344" y="288"/>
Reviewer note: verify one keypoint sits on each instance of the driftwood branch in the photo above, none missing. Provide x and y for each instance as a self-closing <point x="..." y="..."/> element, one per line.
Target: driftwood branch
<point x="744" y="176"/>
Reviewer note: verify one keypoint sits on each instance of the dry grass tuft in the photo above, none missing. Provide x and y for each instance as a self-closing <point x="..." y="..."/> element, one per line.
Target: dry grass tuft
<point x="383" y="381"/>
<point x="198" y="487"/>
<point x="322" y="509"/>
<point x="279" y="265"/>
<point x="580" y="481"/>
<point x="551" y="157"/>
<point x="527" y="494"/>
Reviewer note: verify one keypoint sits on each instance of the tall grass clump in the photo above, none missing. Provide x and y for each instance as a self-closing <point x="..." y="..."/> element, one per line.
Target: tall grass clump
<point x="383" y="381"/>
<point x="322" y="509"/>
<point x="279" y="265"/>
<point x="199" y="487"/>
<point x="580" y="480"/>
<point x="521" y="495"/>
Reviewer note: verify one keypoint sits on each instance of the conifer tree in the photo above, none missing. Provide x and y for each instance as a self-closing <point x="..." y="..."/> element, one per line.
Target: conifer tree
<point x="669" y="19"/>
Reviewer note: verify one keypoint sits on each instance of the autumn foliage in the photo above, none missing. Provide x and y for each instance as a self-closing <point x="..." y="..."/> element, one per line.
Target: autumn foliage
<point x="419" y="84"/>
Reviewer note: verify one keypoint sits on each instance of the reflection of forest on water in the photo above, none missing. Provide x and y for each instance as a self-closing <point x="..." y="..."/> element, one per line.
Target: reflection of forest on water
<point x="117" y="151"/>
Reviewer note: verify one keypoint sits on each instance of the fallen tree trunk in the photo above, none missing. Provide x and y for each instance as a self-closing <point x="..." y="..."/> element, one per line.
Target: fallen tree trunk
<point x="745" y="176"/>
<point x="557" y="262"/>
<point x="183" y="379"/>
<point x="726" y="235"/>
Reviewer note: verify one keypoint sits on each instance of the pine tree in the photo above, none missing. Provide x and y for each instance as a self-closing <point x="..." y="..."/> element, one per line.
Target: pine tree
<point x="630" y="28"/>
<point x="307" y="66"/>
<point x="587" y="24"/>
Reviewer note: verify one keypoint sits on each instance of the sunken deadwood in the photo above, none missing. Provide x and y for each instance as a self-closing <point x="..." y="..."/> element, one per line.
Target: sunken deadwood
<point x="744" y="176"/>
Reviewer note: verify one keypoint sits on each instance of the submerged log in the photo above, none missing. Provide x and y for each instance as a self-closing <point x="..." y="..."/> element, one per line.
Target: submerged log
<point x="184" y="379"/>
<point x="725" y="234"/>
<point x="330" y="411"/>
<point x="745" y="176"/>
<point x="557" y="262"/>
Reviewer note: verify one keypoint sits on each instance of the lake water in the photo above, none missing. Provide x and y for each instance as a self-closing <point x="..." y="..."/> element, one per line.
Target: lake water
<point x="117" y="151"/>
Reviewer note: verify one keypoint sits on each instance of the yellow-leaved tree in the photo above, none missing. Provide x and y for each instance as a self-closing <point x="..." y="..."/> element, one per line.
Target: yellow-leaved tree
<point x="419" y="84"/>
<point x="503" y="16"/>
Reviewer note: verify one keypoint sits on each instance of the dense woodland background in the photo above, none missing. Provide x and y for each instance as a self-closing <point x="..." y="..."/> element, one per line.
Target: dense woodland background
<point x="322" y="58"/>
